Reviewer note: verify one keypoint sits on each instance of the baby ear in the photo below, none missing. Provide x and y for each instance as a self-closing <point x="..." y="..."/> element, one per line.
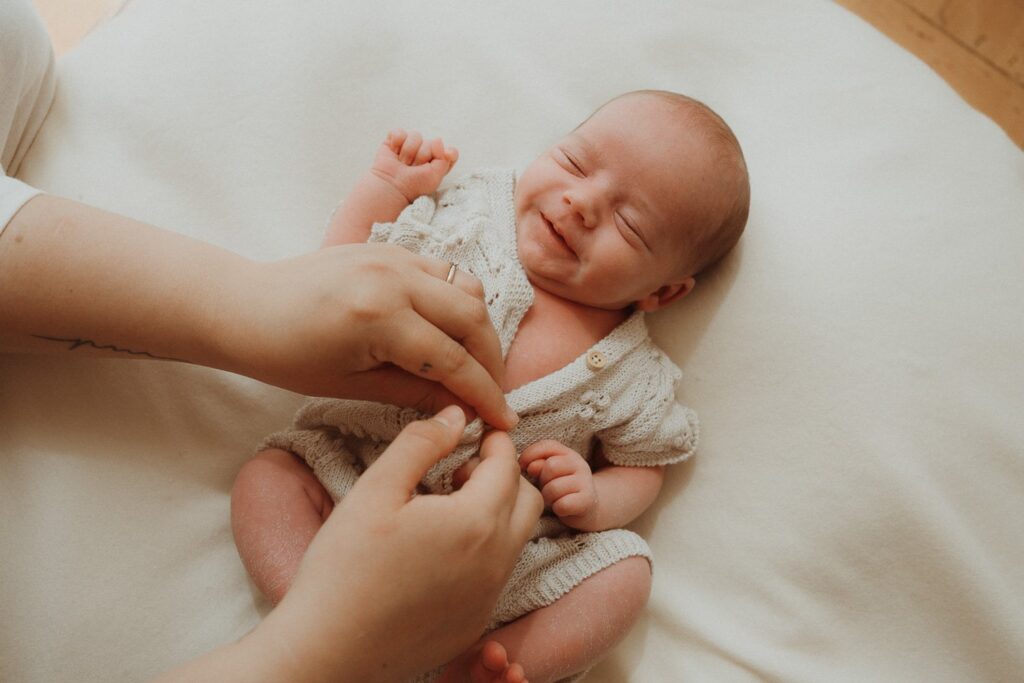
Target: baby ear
<point x="666" y="295"/>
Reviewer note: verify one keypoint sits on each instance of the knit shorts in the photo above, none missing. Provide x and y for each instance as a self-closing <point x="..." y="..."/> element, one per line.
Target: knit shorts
<point x="554" y="561"/>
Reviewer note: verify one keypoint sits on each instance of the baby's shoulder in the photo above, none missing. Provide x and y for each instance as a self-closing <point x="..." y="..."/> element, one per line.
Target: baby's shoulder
<point x="477" y="207"/>
<point x="480" y="186"/>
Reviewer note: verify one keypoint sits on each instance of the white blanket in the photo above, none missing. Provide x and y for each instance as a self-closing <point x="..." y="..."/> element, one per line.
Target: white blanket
<point x="855" y="510"/>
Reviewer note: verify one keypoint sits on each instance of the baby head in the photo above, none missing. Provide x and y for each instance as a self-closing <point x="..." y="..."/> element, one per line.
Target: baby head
<point x="633" y="204"/>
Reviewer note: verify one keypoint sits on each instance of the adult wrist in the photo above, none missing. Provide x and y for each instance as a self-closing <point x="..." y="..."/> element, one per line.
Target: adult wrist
<point x="294" y="646"/>
<point x="228" y="321"/>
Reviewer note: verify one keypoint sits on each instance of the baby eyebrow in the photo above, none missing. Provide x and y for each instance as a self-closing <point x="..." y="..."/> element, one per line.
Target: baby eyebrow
<point x="586" y="149"/>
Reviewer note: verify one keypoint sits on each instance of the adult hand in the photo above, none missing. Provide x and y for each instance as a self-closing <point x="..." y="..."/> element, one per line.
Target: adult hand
<point x="394" y="583"/>
<point x="367" y="321"/>
<point x="373" y="322"/>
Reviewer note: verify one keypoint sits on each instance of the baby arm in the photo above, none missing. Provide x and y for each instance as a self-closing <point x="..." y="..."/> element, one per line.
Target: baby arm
<point x="609" y="498"/>
<point x="405" y="168"/>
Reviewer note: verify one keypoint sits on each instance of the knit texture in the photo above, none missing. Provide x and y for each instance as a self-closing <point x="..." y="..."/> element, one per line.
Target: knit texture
<point x="628" y="404"/>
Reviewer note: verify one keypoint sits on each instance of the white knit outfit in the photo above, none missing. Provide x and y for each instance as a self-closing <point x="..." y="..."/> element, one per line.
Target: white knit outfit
<point x="628" y="403"/>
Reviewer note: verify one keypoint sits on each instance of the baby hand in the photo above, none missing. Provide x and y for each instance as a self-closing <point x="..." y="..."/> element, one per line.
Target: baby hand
<point x="412" y="166"/>
<point x="565" y="480"/>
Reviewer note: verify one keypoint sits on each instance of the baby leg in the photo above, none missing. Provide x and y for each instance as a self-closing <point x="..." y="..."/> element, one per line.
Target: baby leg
<point x="568" y="636"/>
<point x="277" y="506"/>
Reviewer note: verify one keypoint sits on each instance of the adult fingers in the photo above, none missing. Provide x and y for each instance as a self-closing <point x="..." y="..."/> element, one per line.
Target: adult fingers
<point x="462" y="317"/>
<point x="399" y="469"/>
<point x="494" y="482"/>
<point x="462" y="474"/>
<point x="437" y="269"/>
<point x="527" y="511"/>
<point x="496" y="488"/>
<point x="417" y="346"/>
<point x="391" y="384"/>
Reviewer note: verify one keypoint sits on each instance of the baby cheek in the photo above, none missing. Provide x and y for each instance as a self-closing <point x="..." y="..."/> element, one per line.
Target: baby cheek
<point x="619" y="265"/>
<point x="630" y="277"/>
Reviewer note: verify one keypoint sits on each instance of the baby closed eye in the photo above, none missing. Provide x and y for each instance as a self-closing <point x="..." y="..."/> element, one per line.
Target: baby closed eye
<point x="630" y="232"/>
<point x="572" y="164"/>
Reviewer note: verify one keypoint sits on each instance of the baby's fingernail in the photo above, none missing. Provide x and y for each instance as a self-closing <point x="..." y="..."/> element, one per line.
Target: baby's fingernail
<point x="449" y="417"/>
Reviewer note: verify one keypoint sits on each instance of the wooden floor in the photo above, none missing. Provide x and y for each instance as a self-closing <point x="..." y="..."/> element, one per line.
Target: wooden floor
<point x="976" y="45"/>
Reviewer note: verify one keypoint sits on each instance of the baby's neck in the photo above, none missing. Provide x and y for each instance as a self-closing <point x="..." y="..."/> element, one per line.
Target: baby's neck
<point x="596" y="321"/>
<point x="553" y="333"/>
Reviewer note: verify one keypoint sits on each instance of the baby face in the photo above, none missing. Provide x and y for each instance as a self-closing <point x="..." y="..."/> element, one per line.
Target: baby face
<point x="602" y="216"/>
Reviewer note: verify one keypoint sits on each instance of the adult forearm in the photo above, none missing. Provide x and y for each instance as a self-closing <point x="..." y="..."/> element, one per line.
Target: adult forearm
<point x="266" y="655"/>
<point x="75" y="278"/>
<point x="374" y="322"/>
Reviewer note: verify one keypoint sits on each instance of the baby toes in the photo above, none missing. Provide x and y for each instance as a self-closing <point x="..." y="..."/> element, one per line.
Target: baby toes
<point x="515" y="674"/>
<point x="493" y="657"/>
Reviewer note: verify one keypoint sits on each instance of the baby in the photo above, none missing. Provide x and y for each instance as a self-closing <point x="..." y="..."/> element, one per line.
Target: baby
<point x="614" y="220"/>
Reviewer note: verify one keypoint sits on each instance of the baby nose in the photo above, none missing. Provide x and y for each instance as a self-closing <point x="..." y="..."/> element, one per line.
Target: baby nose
<point x="581" y="206"/>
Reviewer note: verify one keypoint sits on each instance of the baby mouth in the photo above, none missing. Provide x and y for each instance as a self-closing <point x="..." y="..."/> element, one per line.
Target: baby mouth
<point x="557" y="235"/>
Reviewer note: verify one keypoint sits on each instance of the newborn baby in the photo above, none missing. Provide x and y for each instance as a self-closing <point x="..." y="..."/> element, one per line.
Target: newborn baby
<point x="616" y="219"/>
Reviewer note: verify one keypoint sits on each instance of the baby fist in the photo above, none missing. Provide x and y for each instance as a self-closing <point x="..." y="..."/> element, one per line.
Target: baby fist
<point x="413" y="166"/>
<point x="565" y="480"/>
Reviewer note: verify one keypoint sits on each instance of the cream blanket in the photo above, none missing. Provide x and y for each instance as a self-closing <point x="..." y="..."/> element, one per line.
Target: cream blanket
<point x="855" y="510"/>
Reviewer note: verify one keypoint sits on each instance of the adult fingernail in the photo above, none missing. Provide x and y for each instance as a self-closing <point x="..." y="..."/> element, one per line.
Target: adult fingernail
<point x="449" y="416"/>
<point x="511" y="416"/>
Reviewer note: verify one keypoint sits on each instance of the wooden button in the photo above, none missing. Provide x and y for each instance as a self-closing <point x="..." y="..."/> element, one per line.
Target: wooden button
<point x="595" y="360"/>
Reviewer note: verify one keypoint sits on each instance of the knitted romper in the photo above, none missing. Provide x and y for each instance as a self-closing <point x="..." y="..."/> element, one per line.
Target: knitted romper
<point x="621" y="393"/>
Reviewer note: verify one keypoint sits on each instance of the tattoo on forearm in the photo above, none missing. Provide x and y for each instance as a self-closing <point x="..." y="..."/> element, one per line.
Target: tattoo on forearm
<point x="77" y="343"/>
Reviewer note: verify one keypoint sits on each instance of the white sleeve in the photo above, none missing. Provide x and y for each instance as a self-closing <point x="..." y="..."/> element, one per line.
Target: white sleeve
<point x="412" y="229"/>
<point x="13" y="195"/>
<point x="658" y="430"/>
<point x="27" y="83"/>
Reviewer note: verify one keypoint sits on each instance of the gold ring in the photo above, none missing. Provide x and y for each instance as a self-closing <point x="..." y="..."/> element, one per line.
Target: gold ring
<point x="451" y="273"/>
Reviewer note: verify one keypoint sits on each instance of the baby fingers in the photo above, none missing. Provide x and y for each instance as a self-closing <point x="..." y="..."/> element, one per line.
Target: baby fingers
<point x="560" y="488"/>
<point x="572" y="505"/>
<point x="411" y="148"/>
<point x="425" y="153"/>
<point x="553" y="468"/>
<point x="395" y="140"/>
<point x="538" y="451"/>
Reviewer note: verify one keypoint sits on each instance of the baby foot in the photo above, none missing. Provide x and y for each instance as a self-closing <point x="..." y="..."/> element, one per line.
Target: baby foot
<point x="486" y="664"/>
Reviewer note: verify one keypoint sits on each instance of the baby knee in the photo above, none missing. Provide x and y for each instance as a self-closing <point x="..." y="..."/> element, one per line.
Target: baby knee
<point x="270" y="464"/>
<point x="275" y="471"/>
<point x="632" y="580"/>
<point x="641" y="569"/>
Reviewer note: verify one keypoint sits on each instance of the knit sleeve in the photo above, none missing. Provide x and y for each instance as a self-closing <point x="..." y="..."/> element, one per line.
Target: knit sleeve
<point x="412" y="229"/>
<point x="659" y="431"/>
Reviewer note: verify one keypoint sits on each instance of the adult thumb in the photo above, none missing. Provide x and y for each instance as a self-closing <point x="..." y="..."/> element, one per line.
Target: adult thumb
<point x="415" y="450"/>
